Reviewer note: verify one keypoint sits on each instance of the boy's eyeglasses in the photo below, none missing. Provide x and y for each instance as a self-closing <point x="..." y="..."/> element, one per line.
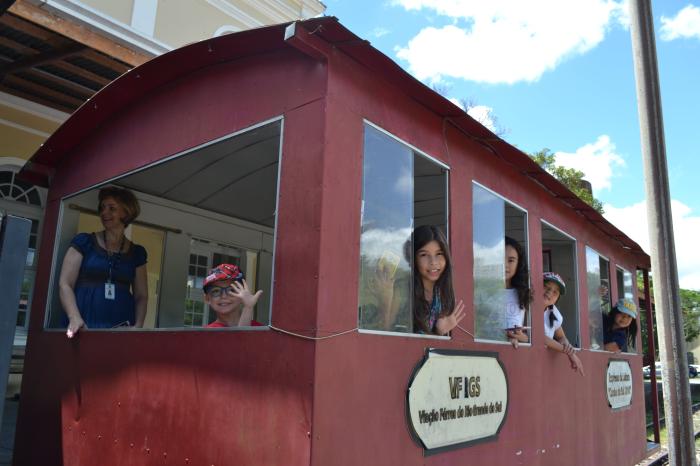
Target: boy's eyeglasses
<point x="217" y="291"/>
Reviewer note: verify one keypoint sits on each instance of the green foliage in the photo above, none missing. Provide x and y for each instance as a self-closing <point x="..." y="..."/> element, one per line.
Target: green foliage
<point x="570" y="177"/>
<point x="690" y="308"/>
<point x="690" y="304"/>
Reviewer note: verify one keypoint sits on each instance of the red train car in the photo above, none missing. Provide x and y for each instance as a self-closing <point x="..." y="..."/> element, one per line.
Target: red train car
<point x="307" y="157"/>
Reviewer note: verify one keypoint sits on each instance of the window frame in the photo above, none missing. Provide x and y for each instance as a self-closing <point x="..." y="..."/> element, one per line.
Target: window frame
<point x="448" y="172"/>
<point x="527" y="253"/>
<point x="63" y="205"/>
<point x="587" y="247"/>
<point x="576" y="277"/>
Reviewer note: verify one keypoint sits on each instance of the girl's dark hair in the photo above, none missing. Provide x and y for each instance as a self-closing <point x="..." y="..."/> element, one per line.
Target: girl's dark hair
<point x="520" y="281"/>
<point x="421" y="307"/>
<point x="630" y="332"/>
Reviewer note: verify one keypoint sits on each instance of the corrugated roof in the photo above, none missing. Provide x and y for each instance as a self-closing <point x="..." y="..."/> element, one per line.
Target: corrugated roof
<point x="139" y="81"/>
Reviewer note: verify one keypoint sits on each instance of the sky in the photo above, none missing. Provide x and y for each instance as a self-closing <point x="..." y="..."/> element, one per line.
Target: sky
<point x="558" y="74"/>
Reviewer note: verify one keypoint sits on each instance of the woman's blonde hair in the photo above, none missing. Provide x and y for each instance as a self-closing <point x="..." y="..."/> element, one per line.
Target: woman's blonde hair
<point x="125" y="198"/>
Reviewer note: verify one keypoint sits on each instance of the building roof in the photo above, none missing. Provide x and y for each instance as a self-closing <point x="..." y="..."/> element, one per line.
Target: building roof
<point x="310" y="36"/>
<point x="60" y="65"/>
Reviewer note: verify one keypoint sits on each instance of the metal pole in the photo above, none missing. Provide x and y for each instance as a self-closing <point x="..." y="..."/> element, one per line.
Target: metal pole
<point x="14" y="238"/>
<point x="652" y="351"/>
<point x="669" y="320"/>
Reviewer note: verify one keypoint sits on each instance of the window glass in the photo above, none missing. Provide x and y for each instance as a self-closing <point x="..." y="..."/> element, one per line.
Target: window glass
<point x="598" y="283"/>
<point x="559" y="256"/>
<point x="224" y="191"/>
<point x="624" y="284"/>
<point x="401" y="189"/>
<point x="497" y="306"/>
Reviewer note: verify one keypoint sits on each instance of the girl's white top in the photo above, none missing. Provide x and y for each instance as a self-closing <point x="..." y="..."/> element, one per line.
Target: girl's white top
<point x="549" y="331"/>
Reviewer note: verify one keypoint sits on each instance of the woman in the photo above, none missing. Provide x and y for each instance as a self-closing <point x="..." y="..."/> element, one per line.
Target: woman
<point x="103" y="282"/>
<point x="620" y="326"/>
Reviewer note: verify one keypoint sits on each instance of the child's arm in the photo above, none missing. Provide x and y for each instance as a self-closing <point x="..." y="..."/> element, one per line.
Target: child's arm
<point x="517" y="336"/>
<point x="563" y="346"/>
<point x="445" y="324"/>
<point x="560" y="337"/>
<point x="248" y="300"/>
<point x="612" y="346"/>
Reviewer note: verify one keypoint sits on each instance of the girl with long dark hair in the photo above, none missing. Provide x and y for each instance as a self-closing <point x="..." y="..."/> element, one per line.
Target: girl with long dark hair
<point x="434" y="309"/>
<point x="518" y="294"/>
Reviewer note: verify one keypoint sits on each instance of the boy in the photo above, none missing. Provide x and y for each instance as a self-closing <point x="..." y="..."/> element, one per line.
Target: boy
<point x="227" y="294"/>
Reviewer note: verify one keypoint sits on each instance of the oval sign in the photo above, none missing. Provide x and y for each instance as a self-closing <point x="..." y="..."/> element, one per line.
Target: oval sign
<point x="456" y="398"/>
<point x="618" y="383"/>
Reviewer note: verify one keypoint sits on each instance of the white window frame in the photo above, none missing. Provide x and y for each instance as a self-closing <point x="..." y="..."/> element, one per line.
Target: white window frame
<point x="527" y="252"/>
<point x="576" y="277"/>
<point x="447" y="220"/>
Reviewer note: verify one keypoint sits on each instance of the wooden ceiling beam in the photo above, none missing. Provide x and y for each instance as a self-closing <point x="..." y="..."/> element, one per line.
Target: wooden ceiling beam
<point x="77" y="32"/>
<point x="41" y="58"/>
<point x="97" y="57"/>
<point x="39" y="100"/>
<point x="17" y="47"/>
<point x="44" y="92"/>
<point x="77" y="70"/>
<point x="76" y="88"/>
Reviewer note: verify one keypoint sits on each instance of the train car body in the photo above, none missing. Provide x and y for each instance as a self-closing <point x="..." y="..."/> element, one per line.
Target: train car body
<point x="256" y="146"/>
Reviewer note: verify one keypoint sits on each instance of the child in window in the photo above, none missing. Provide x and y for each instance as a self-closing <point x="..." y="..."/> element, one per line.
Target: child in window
<point x="555" y="339"/>
<point x="620" y="326"/>
<point x="434" y="310"/>
<point x="517" y="293"/>
<point x="227" y="294"/>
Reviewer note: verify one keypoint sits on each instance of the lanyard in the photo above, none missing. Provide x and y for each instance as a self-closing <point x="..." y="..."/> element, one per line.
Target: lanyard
<point x="112" y="258"/>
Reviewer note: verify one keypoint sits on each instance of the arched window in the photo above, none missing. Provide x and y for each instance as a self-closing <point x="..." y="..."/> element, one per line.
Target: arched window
<point x="14" y="189"/>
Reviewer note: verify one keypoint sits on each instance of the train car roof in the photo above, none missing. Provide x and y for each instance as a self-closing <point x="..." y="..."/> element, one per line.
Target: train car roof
<point x="137" y="82"/>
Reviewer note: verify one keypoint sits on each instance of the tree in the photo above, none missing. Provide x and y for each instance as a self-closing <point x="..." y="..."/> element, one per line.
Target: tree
<point x="690" y="309"/>
<point x="570" y="177"/>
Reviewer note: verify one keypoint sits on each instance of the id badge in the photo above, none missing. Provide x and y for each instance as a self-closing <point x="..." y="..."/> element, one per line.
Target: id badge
<point x="109" y="291"/>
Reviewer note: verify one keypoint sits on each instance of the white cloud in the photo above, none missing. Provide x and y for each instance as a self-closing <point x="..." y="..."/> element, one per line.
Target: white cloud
<point x="505" y="41"/>
<point x="685" y="25"/>
<point x="379" y="32"/>
<point x="457" y="102"/>
<point x="483" y="115"/>
<point x="633" y="221"/>
<point x="597" y="161"/>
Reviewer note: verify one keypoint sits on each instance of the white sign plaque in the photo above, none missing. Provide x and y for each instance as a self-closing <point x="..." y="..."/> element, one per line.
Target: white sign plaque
<point x="618" y="383"/>
<point x="456" y="398"/>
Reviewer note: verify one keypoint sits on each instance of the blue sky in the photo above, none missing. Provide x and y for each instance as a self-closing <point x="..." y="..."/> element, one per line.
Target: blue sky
<point x="558" y="74"/>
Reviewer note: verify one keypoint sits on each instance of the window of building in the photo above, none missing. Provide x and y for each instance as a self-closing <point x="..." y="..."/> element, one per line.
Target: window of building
<point x="559" y="256"/>
<point x="501" y="288"/>
<point x="402" y="189"/>
<point x="22" y="199"/>
<point x="598" y="283"/>
<point x="216" y="203"/>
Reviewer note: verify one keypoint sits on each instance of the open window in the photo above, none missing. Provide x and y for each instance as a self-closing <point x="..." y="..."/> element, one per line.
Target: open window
<point x="501" y="289"/>
<point x="402" y="188"/>
<point x="625" y="284"/>
<point x="598" y="283"/>
<point x="214" y="203"/>
<point x="559" y="256"/>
